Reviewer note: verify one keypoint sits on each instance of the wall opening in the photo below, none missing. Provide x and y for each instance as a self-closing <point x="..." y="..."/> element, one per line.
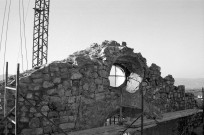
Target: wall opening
<point x="117" y="76"/>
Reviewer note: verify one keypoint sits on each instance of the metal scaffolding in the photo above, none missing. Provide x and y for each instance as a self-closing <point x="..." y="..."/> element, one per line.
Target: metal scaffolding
<point x="40" y="32"/>
<point x="14" y="110"/>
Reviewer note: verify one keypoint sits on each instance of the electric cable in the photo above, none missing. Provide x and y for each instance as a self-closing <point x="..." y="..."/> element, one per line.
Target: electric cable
<point x="27" y="10"/>
<point x="2" y="30"/>
<point x="21" y="40"/>
<point x="6" y="36"/>
<point x="25" y="36"/>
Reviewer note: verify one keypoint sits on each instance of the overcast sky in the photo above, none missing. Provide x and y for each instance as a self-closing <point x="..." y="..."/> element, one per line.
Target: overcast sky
<point x="169" y="33"/>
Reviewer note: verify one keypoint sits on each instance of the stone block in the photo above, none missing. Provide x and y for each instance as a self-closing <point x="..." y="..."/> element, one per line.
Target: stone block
<point x="56" y="80"/>
<point x="98" y="81"/>
<point x="29" y="96"/>
<point x="26" y="132"/>
<point x="87" y="100"/>
<point x="63" y="113"/>
<point x="76" y="75"/>
<point x="46" y="77"/>
<point x="25" y="79"/>
<point x="24" y="119"/>
<point x="67" y="125"/>
<point x="144" y="84"/>
<point x="56" y="121"/>
<point x="55" y="99"/>
<point x="86" y="86"/>
<point x="60" y="107"/>
<point x="71" y="99"/>
<point x="99" y="96"/>
<point x="38" y="80"/>
<point x="106" y="82"/>
<point x="61" y="92"/>
<point x="32" y="109"/>
<point x="36" y="75"/>
<point x="66" y="84"/>
<point x="103" y="73"/>
<point x="37" y="131"/>
<point x="47" y="84"/>
<point x="64" y="119"/>
<point x="45" y="122"/>
<point x="64" y="100"/>
<point x="45" y="70"/>
<point x="38" y="115"/>
<point x="45" y="108"/>
<point x="24" y="109"/>
<point x="53" y="114"/>
<point x="54" y="69"/>
<point x="100" y="88"/>
<point x="71" y="118"/>
<point x="63" y="70"/>
<point x="51" y="91"/>
<point x="34" y="87"/>
<point x="95" y="75"/>
<point x="34" y="123"/>
<point x="68" y="93"/>
<point x="47" y="129"/>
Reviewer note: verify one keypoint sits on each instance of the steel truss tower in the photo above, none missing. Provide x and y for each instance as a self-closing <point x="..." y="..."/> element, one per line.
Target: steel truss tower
<point x="40" y="32"/>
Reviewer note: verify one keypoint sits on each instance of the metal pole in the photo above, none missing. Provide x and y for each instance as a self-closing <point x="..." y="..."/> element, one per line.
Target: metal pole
<point x="142" y="115"/>
<point x="16" y="100"/>
<point x="121" y="109"/>
<point x="203" y="107"/>
<point x="5" y="99"/>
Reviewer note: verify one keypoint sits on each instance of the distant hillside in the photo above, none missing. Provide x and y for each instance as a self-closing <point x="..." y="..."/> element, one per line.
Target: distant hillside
<point x="1" y="77"/>
<point x="190" y="83"/>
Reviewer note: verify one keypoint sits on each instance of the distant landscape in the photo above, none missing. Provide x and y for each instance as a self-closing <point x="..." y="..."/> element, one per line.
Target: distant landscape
<point x="1" y="77"/>
<point x="190" y="83"/>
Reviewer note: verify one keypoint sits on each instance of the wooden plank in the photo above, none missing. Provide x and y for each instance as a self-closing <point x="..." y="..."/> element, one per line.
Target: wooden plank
<point x="11" y="120"/>
<point x="10" y="88"/>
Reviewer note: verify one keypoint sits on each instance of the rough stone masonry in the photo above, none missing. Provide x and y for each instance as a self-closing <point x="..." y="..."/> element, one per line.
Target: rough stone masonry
<point x="75" y="93"/>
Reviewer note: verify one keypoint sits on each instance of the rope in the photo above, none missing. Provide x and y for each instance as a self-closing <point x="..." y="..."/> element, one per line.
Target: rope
<point x="6" y="35"/>
<point x="25" y="36"/>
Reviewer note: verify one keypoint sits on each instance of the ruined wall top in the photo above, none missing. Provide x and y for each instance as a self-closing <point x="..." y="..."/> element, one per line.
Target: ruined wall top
<point x="76" y="92"/>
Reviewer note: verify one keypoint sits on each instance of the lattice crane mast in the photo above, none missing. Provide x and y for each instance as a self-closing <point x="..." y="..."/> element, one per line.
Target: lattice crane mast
<point x="40" y="32"/>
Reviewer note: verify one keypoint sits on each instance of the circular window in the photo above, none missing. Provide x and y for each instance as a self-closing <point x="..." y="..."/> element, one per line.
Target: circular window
<point x="117" y="76"/>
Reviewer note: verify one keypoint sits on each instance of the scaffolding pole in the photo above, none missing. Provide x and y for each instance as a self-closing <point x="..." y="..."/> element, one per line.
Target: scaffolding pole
<point x="203" y="107"/>
<point x="142" y="113"/>
<point x="6" y="115"/>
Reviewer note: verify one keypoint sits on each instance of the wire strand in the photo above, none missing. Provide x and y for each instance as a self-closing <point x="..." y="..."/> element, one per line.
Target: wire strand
<point x="25" y="37"/>
<point x="21" y="39"/>
<point x="6" y="37"/>
<point x="2" y="27"/>
<point x="27" y="10"/>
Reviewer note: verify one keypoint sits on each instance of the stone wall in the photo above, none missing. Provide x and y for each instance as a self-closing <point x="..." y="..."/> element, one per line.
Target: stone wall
<point x="75" y="93"/>
<point x="184" y="125"/>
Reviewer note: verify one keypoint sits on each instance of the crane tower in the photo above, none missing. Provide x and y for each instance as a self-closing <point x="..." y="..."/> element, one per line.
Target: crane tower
<point x="40" y="32"/>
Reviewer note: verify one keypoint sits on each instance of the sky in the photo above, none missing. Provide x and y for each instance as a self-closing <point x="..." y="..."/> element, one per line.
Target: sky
<point x="169" y="33"/>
